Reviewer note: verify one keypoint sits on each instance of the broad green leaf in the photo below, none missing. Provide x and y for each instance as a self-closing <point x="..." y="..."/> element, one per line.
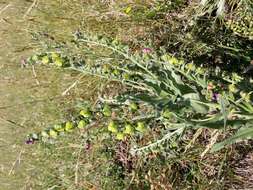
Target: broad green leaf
<point x="177" y="77"/>
<point x="223" y="104"/>
<point x="243" y="134"/>
<point x="193" y="96"/>
<point x="198" y="107"/>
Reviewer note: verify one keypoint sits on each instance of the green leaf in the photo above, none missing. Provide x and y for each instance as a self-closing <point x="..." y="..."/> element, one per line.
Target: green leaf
<point x="223" y="103"/>
<point x="193" y="96"/>
<point x="153" y="85"/>
<point x="198" y="107"/>
<point x="242" y="134"/>
<point x="215" y="121"/>
<point x="107" y="110"/>
<point x="177" y="78"/>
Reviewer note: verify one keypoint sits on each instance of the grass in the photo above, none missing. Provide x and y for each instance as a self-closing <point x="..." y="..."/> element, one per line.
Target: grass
<point x="178" y="149"/>
<point x="53" y="173"/>
<point x="26" y="105"/>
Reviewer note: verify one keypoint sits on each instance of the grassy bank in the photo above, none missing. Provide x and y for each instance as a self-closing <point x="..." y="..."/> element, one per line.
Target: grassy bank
<point x="163" y="88"/>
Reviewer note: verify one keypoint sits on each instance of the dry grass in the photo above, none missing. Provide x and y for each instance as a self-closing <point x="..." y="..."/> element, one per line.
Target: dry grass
<point x="68" y="164"/>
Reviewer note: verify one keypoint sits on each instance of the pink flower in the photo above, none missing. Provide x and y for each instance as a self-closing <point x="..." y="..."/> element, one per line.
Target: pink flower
<point x="30" y="141"/>
<point x="146" y="50"/>
<point x="215" y="97"/>
<point x="210" y="86"/>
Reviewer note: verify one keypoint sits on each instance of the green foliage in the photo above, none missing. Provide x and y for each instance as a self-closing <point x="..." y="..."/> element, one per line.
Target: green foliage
<point x="241" y="23"/>
<point x="138" y="133"/>
<point x="197" y="33"/>
<point x="155" y="10"/>
<point x="245" y="133"/>
<point x="224" y="7"/>
<point x="171" y="93"/>
<point x="49" y="58"/>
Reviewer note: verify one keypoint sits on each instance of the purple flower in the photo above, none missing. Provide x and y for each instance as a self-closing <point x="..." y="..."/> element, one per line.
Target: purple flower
<point x="146" y="50"/>
<point x="215" y="97"/>
<point x="87" y="146"/>
<point x="29" y="141"/>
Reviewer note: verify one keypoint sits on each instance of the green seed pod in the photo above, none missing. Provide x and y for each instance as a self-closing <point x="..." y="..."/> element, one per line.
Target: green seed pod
<point x="58" y="62"/>
<point x="69" y="126"/>
<point x="59" y="128"/>
<point x="180" y="62"/>
<point x="245" y="96"/>
<point x="35" y="58"/>
<point x="167" y="114"/>
<point x="82" y="124"/>
<point x="86" y="113"/>
<point x="107" y="110"/>
<point x="190" y="66"/>
<point x="120" y="136"/>
<point x="173" y="61"/>
<point x="112" y="127"/>
<point x="232" y="88"/>
<point x="141" y="127"/>
<point x="45" y="59"/>
<point x="165" y="57"/>
<point x="128" y="129"/>
<point x="116" y="72"/>
<point x="200" y="70"/>
<point x="53" y="133"/>
<point x="55" y="56"/>
<point x="133" y="107"/>
<point x="126" y="76"/>
<point x="44" y="134"/>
